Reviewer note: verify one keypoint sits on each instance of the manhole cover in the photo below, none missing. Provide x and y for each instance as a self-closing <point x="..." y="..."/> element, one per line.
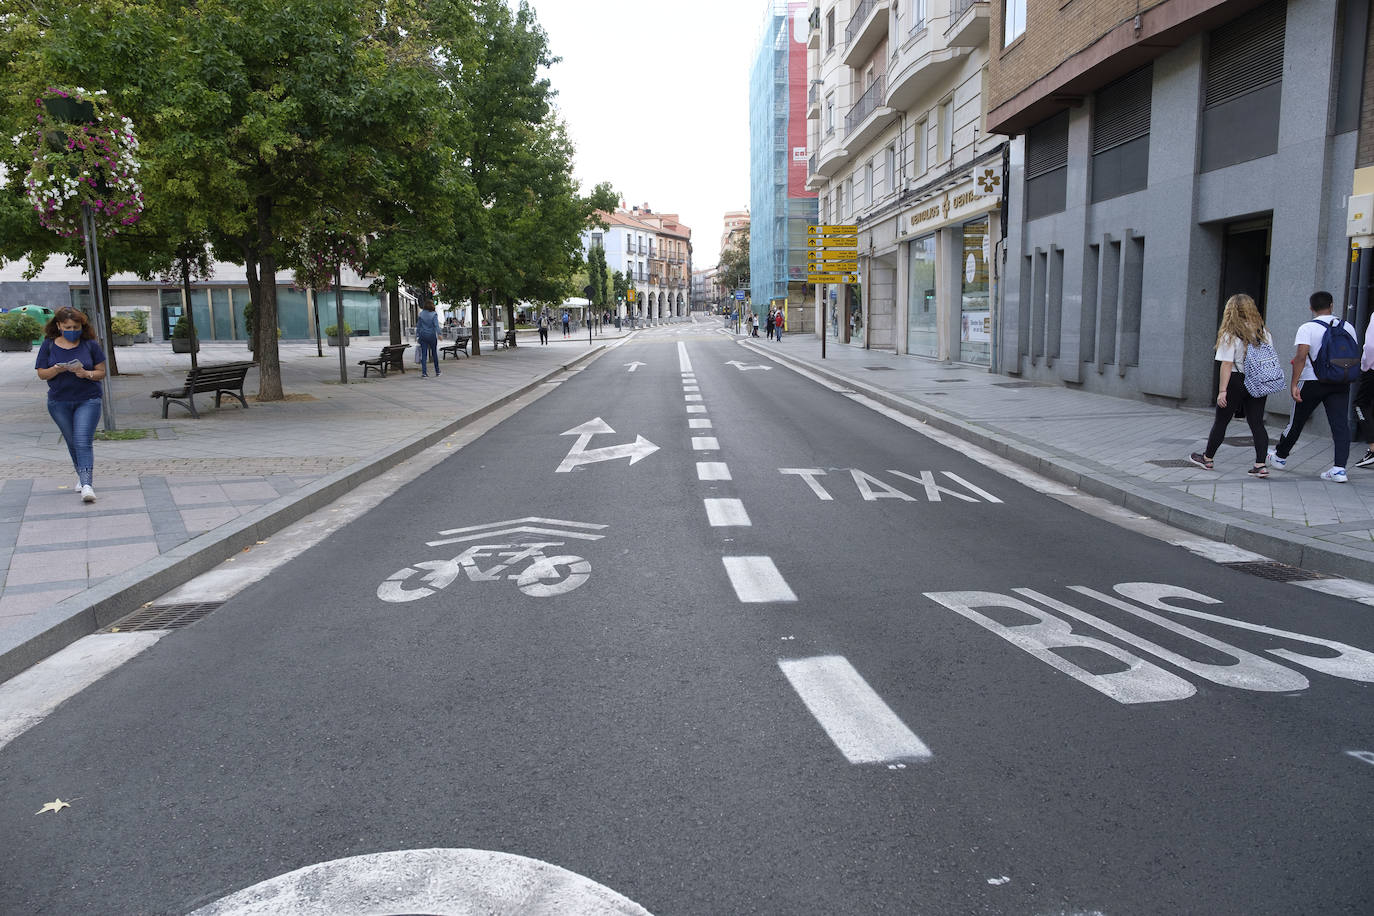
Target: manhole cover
<point x="1013" y="384"/>
<point x="1273" y="570"/>
<point x="1171" y="463"/>
<point x="164" y="617"/>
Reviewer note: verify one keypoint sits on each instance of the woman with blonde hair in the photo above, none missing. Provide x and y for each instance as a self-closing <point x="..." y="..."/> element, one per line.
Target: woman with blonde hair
<point x="1242" y="336"/>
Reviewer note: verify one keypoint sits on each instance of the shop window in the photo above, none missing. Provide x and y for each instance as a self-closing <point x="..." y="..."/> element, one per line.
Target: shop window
<point x="975" y="322"/>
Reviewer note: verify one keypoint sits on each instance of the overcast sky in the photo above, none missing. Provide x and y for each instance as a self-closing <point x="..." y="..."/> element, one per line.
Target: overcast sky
<point x="656" y="98"/>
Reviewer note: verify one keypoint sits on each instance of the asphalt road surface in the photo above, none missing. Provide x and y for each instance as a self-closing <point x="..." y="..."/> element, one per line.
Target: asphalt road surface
<point x="719" y="640"/>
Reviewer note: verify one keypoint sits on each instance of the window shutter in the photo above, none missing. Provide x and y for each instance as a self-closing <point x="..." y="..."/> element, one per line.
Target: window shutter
<point x="1246" y="55"/>
<point x="1047" y="146"/>
<point x="1122" y="111"/>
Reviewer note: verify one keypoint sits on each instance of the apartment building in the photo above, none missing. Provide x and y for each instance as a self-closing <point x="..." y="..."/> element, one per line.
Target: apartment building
<point x="653" y="251"/>
<point x="781" y="206"/>
<point x="736" y="224"/>
<point x="900" y="148"/>
<point x="1166" y="154"/>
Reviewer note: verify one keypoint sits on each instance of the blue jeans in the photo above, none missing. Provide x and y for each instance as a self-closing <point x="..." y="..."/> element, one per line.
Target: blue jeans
<point x="77" y="420"/>
<point x="429" y="348"/>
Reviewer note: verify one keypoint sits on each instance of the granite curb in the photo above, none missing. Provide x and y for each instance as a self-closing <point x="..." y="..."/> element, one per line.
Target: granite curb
<point x="1231" y="526"/>
<point x="28" y="643"/>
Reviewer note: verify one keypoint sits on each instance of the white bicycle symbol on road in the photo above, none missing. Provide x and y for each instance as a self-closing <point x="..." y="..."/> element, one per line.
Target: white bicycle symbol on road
<point x="543" y="575"/>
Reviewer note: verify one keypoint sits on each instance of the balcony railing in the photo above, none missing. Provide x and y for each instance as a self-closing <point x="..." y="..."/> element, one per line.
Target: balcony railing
<point x="813" y="95"/>
<point x="814" y="20"/>
<point x="865" y="106"/>
<point x="856" y="22"/>
<point x="958" y="8"/>
<point x="811" y="164"/>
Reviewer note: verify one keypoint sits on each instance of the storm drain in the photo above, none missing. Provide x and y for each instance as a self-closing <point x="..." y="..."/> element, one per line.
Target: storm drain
<point x="1014" y="385"/>
<point x="1273" y="570"/>
<point x="164" y="617"/>
<point x="878" y="368"/>
<point x="951" y="381"/>
<point x="1171" y="463"/>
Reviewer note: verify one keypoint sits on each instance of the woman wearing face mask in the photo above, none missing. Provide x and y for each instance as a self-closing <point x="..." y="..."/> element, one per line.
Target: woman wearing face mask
<point x="72" y="363"/>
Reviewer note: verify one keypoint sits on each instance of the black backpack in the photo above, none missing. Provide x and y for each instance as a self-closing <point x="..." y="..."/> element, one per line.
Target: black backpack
<point x="1338" y="357"/>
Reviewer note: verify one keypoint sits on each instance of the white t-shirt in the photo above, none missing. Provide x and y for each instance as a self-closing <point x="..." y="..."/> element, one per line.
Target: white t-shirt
<point x="1232" y="349"/>
<point x="1312" y="334"/>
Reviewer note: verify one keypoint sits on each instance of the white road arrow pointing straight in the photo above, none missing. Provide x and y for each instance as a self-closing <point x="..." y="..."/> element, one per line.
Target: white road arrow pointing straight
<point x="580" y="454"/>
<point x="635" y="365"/>
<point x="743" y="368"/>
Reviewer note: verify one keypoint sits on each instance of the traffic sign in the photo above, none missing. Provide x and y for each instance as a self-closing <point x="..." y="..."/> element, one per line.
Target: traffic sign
<point x="630" y="295"/>
<point x="834" y="241"/>
<point x="832" y="229"/>
<point x="835" y="266"/>
<point x="832" y="278"/>
<point x="739" y="294"/>
<point x="832" y="254"/>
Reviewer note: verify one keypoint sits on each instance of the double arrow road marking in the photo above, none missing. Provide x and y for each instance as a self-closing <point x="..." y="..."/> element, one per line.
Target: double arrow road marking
<point x="579" y="454"/>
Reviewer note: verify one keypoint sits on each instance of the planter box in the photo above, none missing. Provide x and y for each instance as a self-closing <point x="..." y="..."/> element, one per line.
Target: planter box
<point x="124" y="340"/>
<point x="335" y="342"/>
<point x="182" y="345"/>
<point x="142" y="338"/>
<point x="14" y="346"/>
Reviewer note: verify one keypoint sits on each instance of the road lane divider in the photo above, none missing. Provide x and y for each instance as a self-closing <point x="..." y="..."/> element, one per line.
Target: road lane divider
<point x="684" y="361"/>
<point x="699" y="424"/>
<point x="756" y="580"/>
<point x="713" y="470"/>
<point x="705" y="444"/>
<point x="862" y="726"/>
<point x="726" y="513"/>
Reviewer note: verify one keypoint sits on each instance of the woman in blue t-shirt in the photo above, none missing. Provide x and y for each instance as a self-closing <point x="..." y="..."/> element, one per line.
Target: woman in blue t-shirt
<point x="71" y="361"/>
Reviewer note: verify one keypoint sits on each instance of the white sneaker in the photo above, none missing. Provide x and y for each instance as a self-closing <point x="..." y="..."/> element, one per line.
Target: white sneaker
<point x="1276" y="462"/>
<point x="1335" y="475"/>
<point x="88" y="494"/>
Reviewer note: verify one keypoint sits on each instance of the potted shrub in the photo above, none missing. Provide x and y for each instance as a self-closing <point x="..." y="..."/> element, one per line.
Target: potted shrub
<point x="18" y="332"/>
<point x="123" y="329"/>
<point x="332" y="332"/>
<point x="141" y="317"/>
<point x="181" y="336"/>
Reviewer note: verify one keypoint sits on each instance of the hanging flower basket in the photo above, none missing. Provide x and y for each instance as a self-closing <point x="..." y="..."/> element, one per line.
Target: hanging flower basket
<point x="83" y="153"/>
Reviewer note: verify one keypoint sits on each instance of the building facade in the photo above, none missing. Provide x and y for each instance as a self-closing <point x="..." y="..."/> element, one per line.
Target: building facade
<point x="1164" y="156"/>
<point x="900" y="148"/>
<point x="781" y="206"/>
<point x="653" y="251"/>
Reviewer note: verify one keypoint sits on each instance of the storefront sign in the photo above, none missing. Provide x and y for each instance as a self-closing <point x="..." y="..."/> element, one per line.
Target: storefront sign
<point x="961" y="202"/>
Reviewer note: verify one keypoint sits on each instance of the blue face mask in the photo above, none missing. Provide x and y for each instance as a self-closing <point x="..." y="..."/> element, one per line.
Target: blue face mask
<point x="73" y="336"/>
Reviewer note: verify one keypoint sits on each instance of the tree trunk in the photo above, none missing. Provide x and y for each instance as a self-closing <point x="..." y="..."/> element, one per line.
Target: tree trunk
<point x="250" y="267"/>
<point x="510" y="312"/>
<point x="393" y="309"/>
<point x="186" y="290"/>
<point x="269" y="359"/>
<point x="476" y="311"/>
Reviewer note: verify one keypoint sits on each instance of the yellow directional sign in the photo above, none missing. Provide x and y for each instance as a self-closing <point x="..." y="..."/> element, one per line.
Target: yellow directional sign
<point x="832" y="229"/>
<point x="832" y="278"/>
<point x="832" y="254"/>
<point x="834" y="266"/>
<point x="834" y="241"/>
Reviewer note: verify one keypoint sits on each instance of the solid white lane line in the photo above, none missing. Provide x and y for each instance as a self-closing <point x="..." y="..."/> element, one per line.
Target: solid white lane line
<point x="705" y="444"/>
<point x="713" y="470"/>
<point x="757" y="580"/>
<point x="692" y="397"/>
<point x="863" y="727"/>
<point x="698" y="424"/>
<point x="30" y="696"/>
<point x="684" y="361"/>
<point x="696" y="408"/>
<point x="724" y="513"/>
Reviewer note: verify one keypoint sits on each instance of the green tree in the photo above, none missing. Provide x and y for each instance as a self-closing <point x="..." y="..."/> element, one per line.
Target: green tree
<point x="596" y="261"/>
<point x="733" y="269"/>
<point x="620" y="287"/>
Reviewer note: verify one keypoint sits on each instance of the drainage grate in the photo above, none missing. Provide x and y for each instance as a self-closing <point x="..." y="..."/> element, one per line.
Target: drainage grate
<point x="878" y="368"/>
<point x="1013" y="384"/>
<point x="1171" y="463"/>
<point x="164" y="617"/>
<point x="1245" y="441"/>
<point x="1273" y="570"/>
<point x="951" y="381"/>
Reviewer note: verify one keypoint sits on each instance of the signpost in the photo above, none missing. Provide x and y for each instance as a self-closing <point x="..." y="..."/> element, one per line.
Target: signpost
<point x="832" y="256"/>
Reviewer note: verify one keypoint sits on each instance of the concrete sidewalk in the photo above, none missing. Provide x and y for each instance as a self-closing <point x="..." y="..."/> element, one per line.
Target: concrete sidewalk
<point x="1130" y="452"/>
<point x="193" y="492"/>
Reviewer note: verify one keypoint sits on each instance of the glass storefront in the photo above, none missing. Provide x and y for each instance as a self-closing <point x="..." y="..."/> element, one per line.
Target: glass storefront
<point x="224" y="314"/>
<point x="975" y="320"/>
<point x="922" y="326"/>
<point x="291" y="313"/>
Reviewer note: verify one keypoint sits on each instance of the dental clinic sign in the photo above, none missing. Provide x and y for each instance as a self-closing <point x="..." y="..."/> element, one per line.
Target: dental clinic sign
<point x="974" y="196"/>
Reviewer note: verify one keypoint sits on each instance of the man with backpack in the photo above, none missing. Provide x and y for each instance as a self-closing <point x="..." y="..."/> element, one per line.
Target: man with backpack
<point x="1327" y="361"/>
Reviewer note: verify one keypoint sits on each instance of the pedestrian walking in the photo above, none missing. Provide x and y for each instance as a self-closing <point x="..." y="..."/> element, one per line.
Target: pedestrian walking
<point x="1364" y="402"/>
<point x="1250" y="371"/>
<point x="1316" y="381"/>
<point x="768" y="327"/>
<point x="543" y="328"/>
<point x="427" y="339"/>
<point x="778" y="323"/>
<point x="567" y="323"/>
<point x="72" y="362"/>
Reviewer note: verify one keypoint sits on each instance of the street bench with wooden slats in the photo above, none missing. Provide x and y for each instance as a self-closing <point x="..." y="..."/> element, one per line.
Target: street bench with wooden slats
<point x="458" y="348"/>
<point x="391" y="357"/>
<point x="222" y="379"/>
<point x="507" y="341"/>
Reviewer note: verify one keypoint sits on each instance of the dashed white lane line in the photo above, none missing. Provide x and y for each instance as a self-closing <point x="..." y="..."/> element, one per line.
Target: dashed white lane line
<point x="690" y="388"/>
<point x="705" y="444"/>
<point x="692" y="397"/>
<point x="724" y="513"/>
<point x="699" y="424"/>
<point x="863" y="727"/>
<point x="684" y="362"/>
<point x="713" y="470"/>
<point x="696" y="408"/>
<point x="756" y="580"/>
